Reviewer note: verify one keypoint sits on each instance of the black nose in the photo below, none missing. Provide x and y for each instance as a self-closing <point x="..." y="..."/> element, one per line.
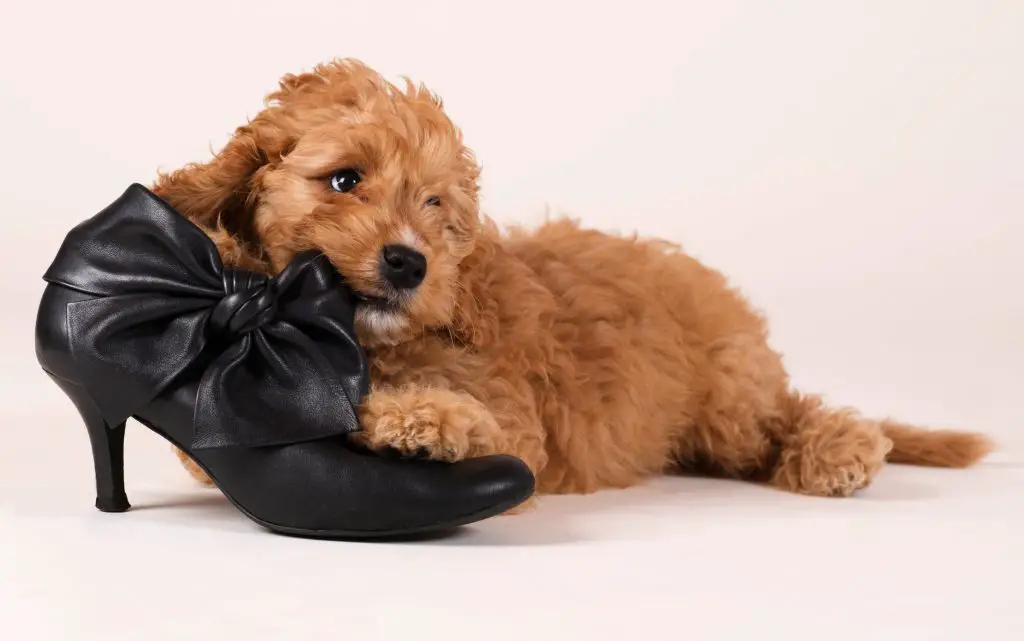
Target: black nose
<point x="403" y="266"/>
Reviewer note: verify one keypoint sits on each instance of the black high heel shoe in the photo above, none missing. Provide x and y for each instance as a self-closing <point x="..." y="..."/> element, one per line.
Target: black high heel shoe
<point x="256" y="378"/>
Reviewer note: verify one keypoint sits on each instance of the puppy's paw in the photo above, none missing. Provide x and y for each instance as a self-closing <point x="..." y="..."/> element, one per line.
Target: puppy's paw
<point x="436" y="424"/>
<point x="193" y="468"/>
<point x="838" y="469"/>
<point x="526" y="506"/>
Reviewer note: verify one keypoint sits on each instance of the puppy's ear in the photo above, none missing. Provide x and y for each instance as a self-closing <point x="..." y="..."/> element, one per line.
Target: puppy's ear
<point x="222" y="194"/>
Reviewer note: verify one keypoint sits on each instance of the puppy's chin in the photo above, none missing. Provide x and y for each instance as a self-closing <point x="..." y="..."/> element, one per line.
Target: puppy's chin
<point x="377" y="325"/>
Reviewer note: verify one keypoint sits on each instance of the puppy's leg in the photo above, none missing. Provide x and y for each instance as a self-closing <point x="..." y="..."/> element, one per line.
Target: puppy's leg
<point x="192" y="468"/>
<point x="446" y="425"/>
<point x="825" y="451"/>
<point x="439" y="424"/>
<point x="752" y="426"/>
<point x="725" y="435"/>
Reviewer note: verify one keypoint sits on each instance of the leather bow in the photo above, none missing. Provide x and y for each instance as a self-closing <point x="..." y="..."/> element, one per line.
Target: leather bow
<point x="276" y="357"/>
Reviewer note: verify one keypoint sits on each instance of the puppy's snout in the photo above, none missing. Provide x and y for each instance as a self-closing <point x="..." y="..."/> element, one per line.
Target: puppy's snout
<point x="403" y="267"/>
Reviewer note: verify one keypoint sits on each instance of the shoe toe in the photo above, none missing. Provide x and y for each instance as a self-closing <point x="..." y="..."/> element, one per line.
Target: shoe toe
<point x="492" y="484"/>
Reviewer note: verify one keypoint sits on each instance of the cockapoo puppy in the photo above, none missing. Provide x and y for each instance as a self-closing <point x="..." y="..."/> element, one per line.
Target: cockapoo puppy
<point x="598" y="360"/>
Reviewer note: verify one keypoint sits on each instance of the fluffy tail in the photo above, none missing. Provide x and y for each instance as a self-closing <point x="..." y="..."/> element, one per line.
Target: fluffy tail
<point x="936" y="448"/>
<point x="808" y="415"/>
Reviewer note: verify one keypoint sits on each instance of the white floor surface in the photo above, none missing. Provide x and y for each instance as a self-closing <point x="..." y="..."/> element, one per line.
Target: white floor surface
<point x="922" y="554"/>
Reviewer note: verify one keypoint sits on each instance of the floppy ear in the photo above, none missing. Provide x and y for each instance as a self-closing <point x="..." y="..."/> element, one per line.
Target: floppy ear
<point x="221" y="195"/>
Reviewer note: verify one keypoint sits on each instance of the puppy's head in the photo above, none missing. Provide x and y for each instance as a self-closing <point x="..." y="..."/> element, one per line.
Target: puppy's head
<point x="373" y="175"/>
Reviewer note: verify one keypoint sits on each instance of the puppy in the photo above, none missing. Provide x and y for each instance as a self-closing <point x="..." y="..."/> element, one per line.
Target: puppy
<point x="597" y="360"/>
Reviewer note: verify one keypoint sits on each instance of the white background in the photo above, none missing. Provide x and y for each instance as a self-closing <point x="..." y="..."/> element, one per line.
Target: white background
<point x="856" y="167"/>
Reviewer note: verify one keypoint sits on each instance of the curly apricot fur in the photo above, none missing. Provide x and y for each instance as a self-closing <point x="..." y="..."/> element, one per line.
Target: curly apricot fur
<point x="598" y="360"/>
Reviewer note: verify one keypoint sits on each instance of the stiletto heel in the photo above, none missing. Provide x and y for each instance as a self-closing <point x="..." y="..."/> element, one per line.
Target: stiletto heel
<point x="107" y="449"/>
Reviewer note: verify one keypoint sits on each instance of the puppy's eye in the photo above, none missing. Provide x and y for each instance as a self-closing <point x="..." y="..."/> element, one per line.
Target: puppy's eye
<point x="345" y="180"/>
<point x="434" y="201"/>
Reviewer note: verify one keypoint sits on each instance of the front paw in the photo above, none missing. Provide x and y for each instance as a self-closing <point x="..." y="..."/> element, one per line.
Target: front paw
<point x="526" y="506"/>
<point x="436" y="424"/>
<point x="193" y="468"/>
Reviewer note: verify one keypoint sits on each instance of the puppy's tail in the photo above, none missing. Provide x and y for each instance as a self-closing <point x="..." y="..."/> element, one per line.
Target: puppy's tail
<point x="910" y="444"/>
<point x="935" y="448"/>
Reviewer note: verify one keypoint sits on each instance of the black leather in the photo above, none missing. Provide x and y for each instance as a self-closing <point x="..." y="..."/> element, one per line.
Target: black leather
<point x="258" y="378"/>
<point x="274" y="351"/>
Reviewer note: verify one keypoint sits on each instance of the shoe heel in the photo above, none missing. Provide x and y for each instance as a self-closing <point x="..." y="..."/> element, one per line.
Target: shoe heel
<point x="107" y="449"/>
